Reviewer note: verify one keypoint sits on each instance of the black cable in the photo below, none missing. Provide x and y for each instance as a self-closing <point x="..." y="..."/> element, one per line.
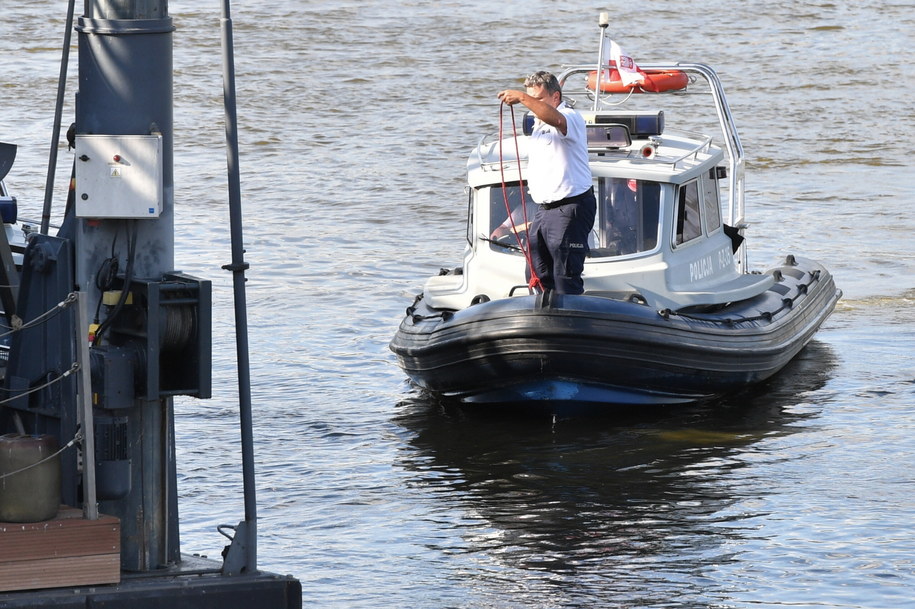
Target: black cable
<point x="104" y="279"/>
<point x="128" y="277"/>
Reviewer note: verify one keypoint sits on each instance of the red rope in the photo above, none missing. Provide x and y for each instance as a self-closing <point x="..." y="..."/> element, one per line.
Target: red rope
<point x="534" y="283"/>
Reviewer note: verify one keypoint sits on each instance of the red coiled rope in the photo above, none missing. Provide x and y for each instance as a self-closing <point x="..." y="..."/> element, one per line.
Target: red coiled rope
<point x="534" y="282"/>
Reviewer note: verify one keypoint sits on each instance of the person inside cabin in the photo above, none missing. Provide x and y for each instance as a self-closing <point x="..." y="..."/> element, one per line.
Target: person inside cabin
<point x="622" y="223"/>
<point x="560" y="182"/>
<point x="518" y="222"/>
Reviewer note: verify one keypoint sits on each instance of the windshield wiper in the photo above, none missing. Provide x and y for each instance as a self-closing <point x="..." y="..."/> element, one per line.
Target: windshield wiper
<point x="507" y="246"/>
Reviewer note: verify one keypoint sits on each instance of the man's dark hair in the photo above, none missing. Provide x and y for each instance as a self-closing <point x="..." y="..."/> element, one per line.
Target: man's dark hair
<point x="545" y="80"/>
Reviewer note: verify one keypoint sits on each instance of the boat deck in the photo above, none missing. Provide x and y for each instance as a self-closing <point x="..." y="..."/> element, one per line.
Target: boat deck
<point x="67" y="550"/>
<point x="196" y="583"/>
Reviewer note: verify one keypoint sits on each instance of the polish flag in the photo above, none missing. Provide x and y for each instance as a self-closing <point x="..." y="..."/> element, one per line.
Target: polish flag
<point x="630" y="73"/>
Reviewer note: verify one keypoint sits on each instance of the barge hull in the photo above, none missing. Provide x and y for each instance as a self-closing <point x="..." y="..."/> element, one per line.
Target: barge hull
<point x="197" y="583"/>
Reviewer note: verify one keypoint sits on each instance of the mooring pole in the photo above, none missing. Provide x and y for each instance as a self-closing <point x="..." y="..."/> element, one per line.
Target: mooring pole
<point x="238" y="266"/>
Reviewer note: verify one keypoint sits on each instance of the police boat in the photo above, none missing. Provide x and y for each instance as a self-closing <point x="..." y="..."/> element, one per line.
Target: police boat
<point x="670" y="314"/>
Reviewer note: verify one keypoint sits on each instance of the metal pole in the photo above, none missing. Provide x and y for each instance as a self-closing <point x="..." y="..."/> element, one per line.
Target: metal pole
<point x="603" y="21"/>
<point x="238" y="267"/>
<point x="84" y="390"/>
<point x="58" y="111"/>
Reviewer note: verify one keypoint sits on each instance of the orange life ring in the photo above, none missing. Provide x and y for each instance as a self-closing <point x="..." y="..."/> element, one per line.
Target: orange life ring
<point x="654" y="82"/>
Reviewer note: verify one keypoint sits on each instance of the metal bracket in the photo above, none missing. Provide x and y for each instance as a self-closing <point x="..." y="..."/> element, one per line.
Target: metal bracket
<point x="235" y="555"/>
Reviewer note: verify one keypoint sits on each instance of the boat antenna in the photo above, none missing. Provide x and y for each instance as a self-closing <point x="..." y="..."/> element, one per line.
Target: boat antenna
<point x="603" y="21"/>
<point x="242" y="554"/>
<point x="58" y="111"/>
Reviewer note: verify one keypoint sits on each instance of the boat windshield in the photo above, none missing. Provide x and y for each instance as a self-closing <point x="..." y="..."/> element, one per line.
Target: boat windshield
<point x="502" y="229"/>
<point x="626" y="220"/>
<point x="627" y="217"/>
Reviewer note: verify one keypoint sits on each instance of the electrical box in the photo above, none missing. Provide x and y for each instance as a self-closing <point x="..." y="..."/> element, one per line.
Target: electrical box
<point x="112" y="372"/>
<point x="118" y="176"/>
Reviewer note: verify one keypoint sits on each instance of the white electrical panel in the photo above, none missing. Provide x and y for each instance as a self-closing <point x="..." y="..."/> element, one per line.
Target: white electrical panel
<point x="118" y="176"/>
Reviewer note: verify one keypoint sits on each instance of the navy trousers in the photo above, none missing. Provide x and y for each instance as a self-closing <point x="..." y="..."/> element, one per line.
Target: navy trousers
<point x="559" y="242"/>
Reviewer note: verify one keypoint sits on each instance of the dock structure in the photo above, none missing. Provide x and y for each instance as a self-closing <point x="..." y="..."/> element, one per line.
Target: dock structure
<point x="101" y="334"/>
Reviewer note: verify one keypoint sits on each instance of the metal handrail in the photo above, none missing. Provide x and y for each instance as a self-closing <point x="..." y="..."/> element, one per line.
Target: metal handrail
<point x="736" y="159"/>
<point x="488" y="165"/>
<point x="705" y="144"/>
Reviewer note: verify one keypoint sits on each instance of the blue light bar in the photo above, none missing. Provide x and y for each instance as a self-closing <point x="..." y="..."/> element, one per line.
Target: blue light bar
<point x="641" y="125"/>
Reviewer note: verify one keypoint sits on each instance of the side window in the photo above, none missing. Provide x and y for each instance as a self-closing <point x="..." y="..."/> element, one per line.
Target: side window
<point x="689" y="222"/>
<point x="472" y="194"/>
<point x="627" y="217"/>
<point x="712" y="203"/>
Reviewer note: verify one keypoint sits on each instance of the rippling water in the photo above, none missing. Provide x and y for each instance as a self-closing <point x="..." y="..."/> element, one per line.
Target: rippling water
<point x="356" y="118"/>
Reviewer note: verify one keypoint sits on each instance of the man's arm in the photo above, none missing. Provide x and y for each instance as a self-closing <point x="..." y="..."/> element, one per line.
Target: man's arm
<point x="542" y="110"/>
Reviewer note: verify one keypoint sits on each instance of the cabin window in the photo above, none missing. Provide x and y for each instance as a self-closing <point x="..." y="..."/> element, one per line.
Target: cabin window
<point x="712" y="203"/>
<point x="689" y="221"/>
<point x="627" y="217"/>
<point x="501" y="232"/>
<point x="470" y="220"/>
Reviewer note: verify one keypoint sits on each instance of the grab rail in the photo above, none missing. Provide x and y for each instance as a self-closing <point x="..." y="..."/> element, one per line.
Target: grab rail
<point x="736" y="159"/>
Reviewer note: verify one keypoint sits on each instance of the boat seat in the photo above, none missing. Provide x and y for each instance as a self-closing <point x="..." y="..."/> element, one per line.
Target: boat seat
<point x="739" y="288"/>
<point x="445" y="291"/>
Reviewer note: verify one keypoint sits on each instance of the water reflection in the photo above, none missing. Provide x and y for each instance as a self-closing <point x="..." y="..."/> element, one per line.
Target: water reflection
<point x="642" y="504"/>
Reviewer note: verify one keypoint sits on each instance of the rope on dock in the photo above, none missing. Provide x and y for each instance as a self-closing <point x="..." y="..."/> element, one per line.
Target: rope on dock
<point x="76" y="438"/>
<point x="59" y="378"/>
<point x="18" y="325"/>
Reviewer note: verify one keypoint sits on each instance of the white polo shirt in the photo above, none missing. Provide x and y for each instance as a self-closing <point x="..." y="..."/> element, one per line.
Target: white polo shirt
<point x="557" y="165"/>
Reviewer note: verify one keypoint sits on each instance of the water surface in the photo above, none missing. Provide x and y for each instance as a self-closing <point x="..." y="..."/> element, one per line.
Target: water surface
<point x="356" y="119"/>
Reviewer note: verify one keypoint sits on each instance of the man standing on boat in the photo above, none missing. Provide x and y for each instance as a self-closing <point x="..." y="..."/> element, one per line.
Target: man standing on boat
<point x="559" y="179"/>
